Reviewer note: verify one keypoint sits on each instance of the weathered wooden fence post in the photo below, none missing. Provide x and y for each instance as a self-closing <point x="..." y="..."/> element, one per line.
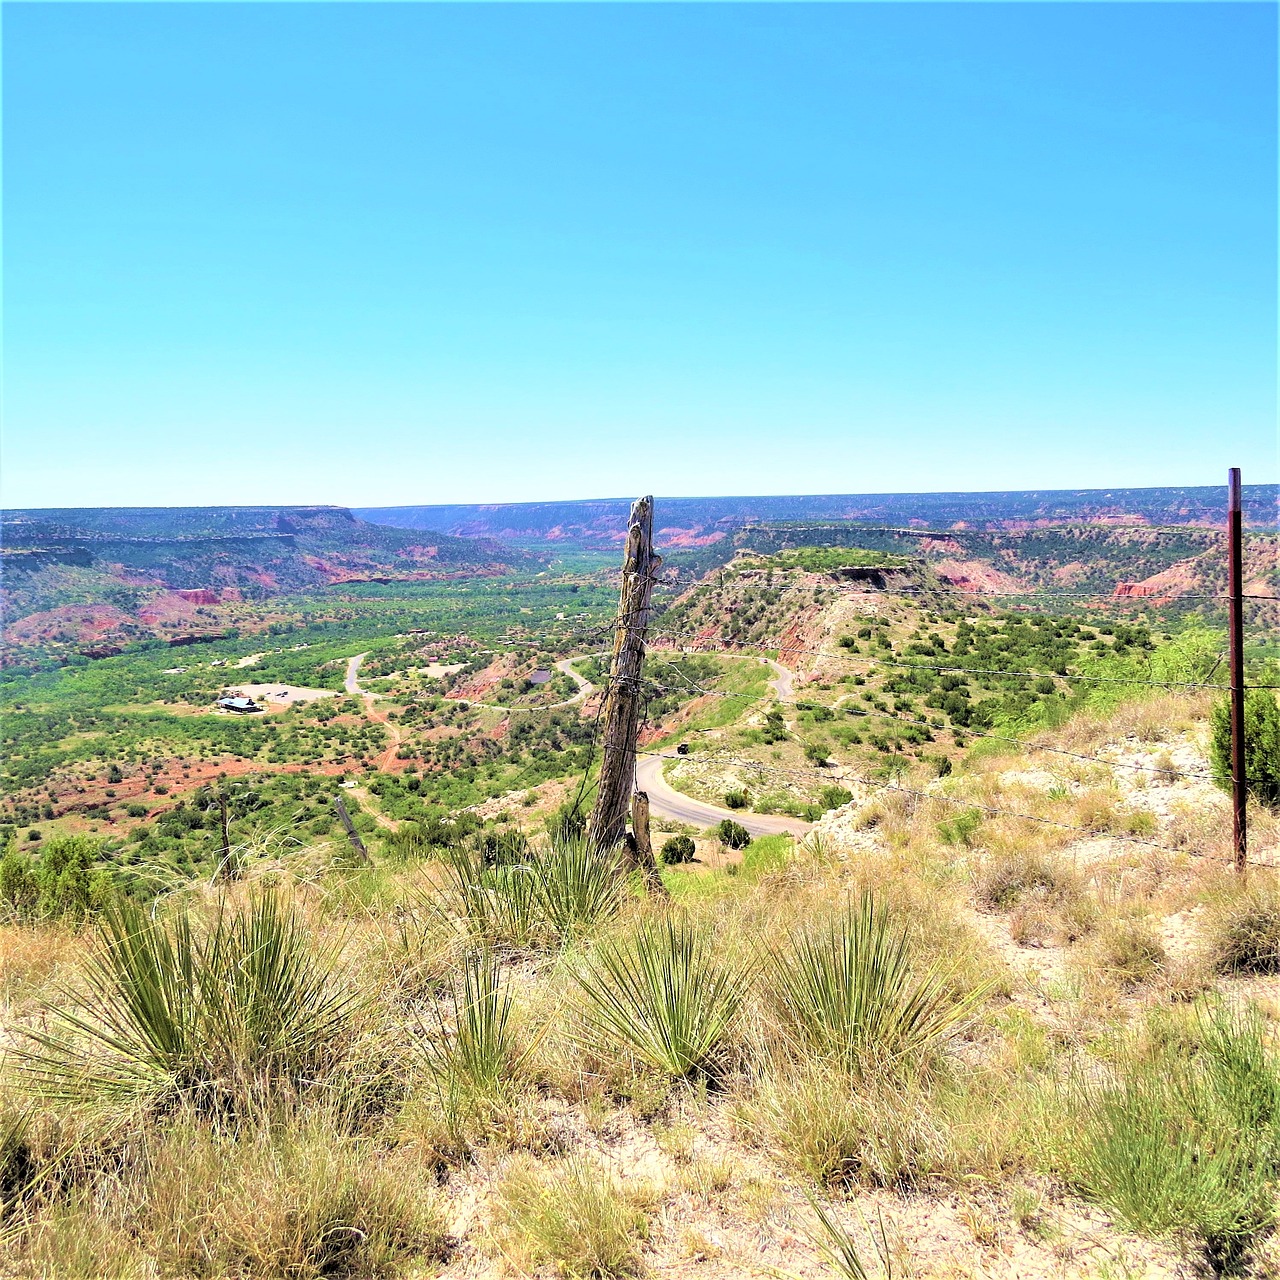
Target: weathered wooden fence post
<point x="352" y="834"/>
<point x="608" y="823"/>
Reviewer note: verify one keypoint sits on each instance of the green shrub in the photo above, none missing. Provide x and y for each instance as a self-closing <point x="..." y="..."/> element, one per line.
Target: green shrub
<point x="816" y="753"/>
<point x="1261" y="746"/>
<point x="569" y="822"/>
<point x="736" y="799"/>
<point x="661" y="994"/>
<point x="552" y="898"/>
<point x="63" y="881"/>
<point x="732" y="834"/>
<point x="678" y="849"/>
<point x="832" y="796"/>
<point x="473" y="1047"/>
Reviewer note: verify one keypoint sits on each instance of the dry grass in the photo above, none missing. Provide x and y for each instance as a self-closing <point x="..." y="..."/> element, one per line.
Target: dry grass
<point x="645" y="1122"/>
<point x="576" y="1218"/>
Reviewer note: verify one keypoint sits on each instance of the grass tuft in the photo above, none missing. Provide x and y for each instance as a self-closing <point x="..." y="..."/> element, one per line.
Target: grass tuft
<point x="578" y="1220"/>
<point x="1186" y="1140"/>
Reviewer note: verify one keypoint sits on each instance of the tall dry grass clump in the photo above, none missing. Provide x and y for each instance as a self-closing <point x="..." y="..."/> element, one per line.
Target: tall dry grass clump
<point x="265" y="1203"/>
<point x="577" y="1219"/>
<point x="1242" y="927"/>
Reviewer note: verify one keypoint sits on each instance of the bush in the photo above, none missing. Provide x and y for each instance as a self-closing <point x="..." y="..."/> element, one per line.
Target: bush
<point x="569" y="822"/>
<point x="678" y="849"/>
<point x="1128" y="952"/>
<point x="1005" y="877"/>
<point x="736" y="799"/>
<point x="661" y="994"/>
<point x="816" y="753"/>
<point x="732" y="834"/>
<point x="556" y="896"/>
<point x="473" y="1048"/>
<point x="1261" y="746"/>
<point x="64" y="881"/>
<point x="833" y="797"/>
<point x="879" y="1133"/>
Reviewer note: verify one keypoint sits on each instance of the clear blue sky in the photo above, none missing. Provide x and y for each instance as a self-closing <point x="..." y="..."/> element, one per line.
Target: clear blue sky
<point x="376" y="254"/>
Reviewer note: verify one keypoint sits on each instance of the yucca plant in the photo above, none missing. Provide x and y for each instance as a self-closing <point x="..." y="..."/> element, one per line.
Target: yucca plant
<point x="660" y="993"/>
<point x="850" y="991"/>
<point x="835" y="1242"/>
<point x="577" y="885"/>
<point x="497" y="905"/>
<point x="553" y="897"/>
<point x="473" y="1044"/>
<point x="216" y="1017"/>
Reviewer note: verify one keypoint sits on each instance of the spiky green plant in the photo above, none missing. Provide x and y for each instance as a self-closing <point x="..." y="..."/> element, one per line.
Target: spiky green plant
<point x="851" y="991"/>
<point x="497" y="905"/>
<point x="554" y="897"/>
<point x="473" y="1044"/>
<point x="577" y="885"/>
<point x="835" y="1242"/>
<point x="660" y="993"/>
<point x="218" y="1017"/>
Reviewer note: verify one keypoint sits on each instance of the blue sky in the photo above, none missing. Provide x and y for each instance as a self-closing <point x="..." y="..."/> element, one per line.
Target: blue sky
<point x="378" y="254"/>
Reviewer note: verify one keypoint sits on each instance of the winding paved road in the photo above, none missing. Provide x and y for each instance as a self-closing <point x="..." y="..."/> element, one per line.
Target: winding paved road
<point x="666" y="802"/>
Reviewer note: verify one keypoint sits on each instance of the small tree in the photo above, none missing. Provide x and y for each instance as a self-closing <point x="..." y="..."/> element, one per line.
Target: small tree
<point x="733" y="834"/>
<point x="1261" y="746"/>
<point x="64" y="881"/>
<point x="677" y="849"/>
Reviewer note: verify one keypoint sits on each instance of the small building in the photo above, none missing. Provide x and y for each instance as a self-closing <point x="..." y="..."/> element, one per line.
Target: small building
<point x="240" y="705"/>
<point x="541" y="676"/>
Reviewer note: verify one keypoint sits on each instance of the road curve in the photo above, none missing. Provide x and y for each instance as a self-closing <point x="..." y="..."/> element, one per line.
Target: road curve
<point x="585" y="687"/>
<point x="781" y="684"/>
<point x="353" y="670"/>
<point x="666" y="802"/>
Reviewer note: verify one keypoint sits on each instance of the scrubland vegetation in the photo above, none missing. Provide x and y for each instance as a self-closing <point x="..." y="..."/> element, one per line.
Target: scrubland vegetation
<point x="922" y="1045"/>
<point x="1003" y="1010"/>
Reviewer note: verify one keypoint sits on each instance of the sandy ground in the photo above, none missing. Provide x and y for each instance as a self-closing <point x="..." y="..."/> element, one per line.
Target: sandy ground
<point x="280" y="695"/>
